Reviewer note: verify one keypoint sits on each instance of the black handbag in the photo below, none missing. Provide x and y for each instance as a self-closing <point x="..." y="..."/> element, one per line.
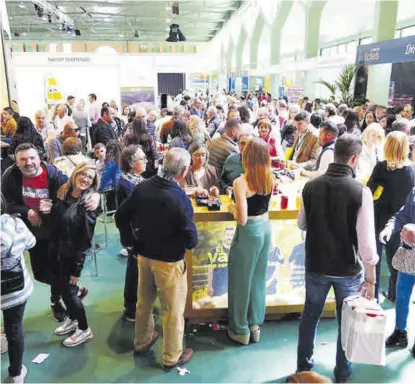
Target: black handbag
<point x="12" y="278"/>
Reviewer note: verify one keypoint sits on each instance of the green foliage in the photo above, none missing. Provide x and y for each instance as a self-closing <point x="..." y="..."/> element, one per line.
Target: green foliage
<point x="345" y="81"/>
<point x="332" y="87"/>
<point x="343" y="84"/>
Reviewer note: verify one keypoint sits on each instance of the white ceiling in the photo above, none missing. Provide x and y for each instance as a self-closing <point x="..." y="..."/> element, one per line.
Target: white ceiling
<point x="199" y="20"/>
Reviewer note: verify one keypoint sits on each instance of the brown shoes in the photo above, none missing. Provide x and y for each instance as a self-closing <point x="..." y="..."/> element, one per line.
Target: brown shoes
<point x="154" y="338"/>
<point x="185" y="357"/>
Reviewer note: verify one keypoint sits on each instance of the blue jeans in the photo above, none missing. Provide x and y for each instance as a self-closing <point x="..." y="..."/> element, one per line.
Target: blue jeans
<point x="403" y="296"/>
<point x="317" y="288"/>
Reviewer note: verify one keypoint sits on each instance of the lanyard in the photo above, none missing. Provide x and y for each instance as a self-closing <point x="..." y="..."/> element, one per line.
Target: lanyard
<point x="299" y="142"/>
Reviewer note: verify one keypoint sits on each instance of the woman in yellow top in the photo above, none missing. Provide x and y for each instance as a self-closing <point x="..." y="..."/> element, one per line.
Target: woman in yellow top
<point x="248" y="256"/>
<point x="8" y="123"/>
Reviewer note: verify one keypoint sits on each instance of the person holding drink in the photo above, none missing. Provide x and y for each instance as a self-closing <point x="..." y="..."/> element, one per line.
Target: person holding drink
<point x="248" y="256"/>
<point x="29" y="187"/>
<point x="72" y="231"/>
<point x="201" y="180"/>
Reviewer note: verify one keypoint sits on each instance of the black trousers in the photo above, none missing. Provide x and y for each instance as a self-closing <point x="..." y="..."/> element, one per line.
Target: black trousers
<point x="131" y="285"/>
<point x="45" y="267"/>
<point x="13" y="327"/>
<point x="73" y="303"/>
<point x="391" y="248"/>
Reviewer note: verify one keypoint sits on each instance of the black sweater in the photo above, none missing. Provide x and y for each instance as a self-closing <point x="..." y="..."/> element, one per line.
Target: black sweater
<point x="332" y="202"/>
<point x="161" y="216"/>
<point x="396" y="187"/>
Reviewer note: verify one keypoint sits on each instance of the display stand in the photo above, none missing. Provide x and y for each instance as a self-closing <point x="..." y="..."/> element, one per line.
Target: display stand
<point x="207" y="263"/>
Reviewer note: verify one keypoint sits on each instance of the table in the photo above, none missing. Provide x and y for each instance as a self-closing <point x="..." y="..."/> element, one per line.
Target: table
<point x="207" y="263"/>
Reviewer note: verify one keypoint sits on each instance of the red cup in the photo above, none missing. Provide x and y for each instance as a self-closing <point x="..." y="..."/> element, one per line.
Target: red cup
<point x="275" y="190"/>
<point x="284" y="202"/>
<point x="282" y="164"/>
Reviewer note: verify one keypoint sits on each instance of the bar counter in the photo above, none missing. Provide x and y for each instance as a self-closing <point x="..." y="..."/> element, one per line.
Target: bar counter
<point x="207" y="264"/>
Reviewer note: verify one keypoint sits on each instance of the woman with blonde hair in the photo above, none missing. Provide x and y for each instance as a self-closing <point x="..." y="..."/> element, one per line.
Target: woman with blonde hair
<point x="248" y="256"/>
<point x="198" y="130"/>
<point x="73" y="229"/>
<point x="373" y="139"/>
<point x="391" y="182"/>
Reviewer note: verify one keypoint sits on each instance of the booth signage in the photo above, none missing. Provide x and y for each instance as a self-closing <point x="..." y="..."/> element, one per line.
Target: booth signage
<point x="389" y="51"/>
<point x="69" y="59"/>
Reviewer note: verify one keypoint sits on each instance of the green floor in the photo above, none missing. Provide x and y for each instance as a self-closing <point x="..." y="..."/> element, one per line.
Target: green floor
<point x="109" y="356"/>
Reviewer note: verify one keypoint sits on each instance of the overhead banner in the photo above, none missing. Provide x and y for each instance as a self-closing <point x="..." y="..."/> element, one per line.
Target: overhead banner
<point x="389" y="51"/>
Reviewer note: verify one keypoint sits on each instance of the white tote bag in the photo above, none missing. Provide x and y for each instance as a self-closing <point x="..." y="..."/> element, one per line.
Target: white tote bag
<point x="363" y="331"/>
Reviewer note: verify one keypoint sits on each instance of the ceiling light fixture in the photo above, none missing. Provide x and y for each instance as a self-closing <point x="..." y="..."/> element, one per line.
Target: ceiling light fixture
<point x="121" y="35"/>
<point x="24" y="34"/>
<point x="44" y="8"/>
<point x="21" y="5"/>
<point x="168" y="20"/>
<point x="107" y="19"/>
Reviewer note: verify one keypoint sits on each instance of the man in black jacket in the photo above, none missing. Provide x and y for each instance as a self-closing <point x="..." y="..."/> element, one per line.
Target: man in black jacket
<point x="338" y="214"/>
<point x="161" y="216"/>
<point x="102" y="131"/>
<point x="24" y="185"/>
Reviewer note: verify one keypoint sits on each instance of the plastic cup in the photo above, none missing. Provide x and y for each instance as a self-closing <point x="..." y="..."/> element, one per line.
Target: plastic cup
<point x="284" y="202"/>
<point x="275" y="190"/>
<point x="45" y="206"/>
<point x="298" y="202"/>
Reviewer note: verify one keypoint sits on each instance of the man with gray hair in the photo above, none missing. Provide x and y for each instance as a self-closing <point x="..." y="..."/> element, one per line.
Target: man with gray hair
<point x="402" y="125"/>
<point x="214" y="120"/>
<point x="161" y="217"/>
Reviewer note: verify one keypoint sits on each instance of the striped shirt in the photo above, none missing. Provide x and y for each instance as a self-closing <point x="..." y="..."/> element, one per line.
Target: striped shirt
<point x="15" y="235"/>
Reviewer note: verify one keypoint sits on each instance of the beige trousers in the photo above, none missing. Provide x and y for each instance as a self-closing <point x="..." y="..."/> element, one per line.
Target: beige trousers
<point x="169" y="281"/>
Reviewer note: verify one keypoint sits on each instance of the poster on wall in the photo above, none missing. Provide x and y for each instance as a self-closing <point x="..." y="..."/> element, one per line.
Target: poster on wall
<point x="53" y="95"/>
<point x="136" y="97"/>
<point x="402" y="91"/>
<point x="295" y="94"/>
<point x="245" y="83"/>
<point x="231" y="84"/>
<point x="199" y="81"/>
<point x="285" y="272"/>
<point x="259" y="84"/>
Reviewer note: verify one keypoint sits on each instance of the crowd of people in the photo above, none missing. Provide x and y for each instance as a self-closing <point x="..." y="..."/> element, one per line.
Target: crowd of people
<point x="56" y="168"/>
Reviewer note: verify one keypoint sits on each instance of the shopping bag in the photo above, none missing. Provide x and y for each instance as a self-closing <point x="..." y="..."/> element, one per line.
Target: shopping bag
<point x="363" y="331"/>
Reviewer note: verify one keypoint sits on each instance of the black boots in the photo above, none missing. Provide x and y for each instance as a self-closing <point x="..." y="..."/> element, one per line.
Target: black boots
<point x="398" y="339"/>
<point x="413" y="351"/>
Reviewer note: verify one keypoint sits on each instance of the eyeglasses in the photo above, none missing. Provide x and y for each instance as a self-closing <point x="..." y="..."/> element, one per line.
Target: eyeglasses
<point x="84" y="175"/>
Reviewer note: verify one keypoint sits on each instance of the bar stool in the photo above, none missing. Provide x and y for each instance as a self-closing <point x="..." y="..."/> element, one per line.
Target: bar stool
<point x="103" y="218"/>
<point x="93" y="251"/>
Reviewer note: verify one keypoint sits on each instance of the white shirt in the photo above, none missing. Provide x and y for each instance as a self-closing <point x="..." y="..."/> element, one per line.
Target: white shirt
<point x="336" y="119"/>
<point x="60" y="123"/>
<point x="367" y="161"/>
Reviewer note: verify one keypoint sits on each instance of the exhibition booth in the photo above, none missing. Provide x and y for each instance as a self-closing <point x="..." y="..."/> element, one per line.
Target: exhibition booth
<point x="48" y="78"/>
<point x="389" y="64"/>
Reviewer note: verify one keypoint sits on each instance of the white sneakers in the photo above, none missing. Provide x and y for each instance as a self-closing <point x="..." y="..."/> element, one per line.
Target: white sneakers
<point x="67" y="327"/>
<point x="124" y="252"/>
<point x="78" y="338"/>
<point x="255" y="333"/>
<point x="17" y="379"/>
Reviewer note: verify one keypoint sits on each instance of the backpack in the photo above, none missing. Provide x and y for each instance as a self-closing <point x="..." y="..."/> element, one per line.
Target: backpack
<point x="12" y="277"/>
